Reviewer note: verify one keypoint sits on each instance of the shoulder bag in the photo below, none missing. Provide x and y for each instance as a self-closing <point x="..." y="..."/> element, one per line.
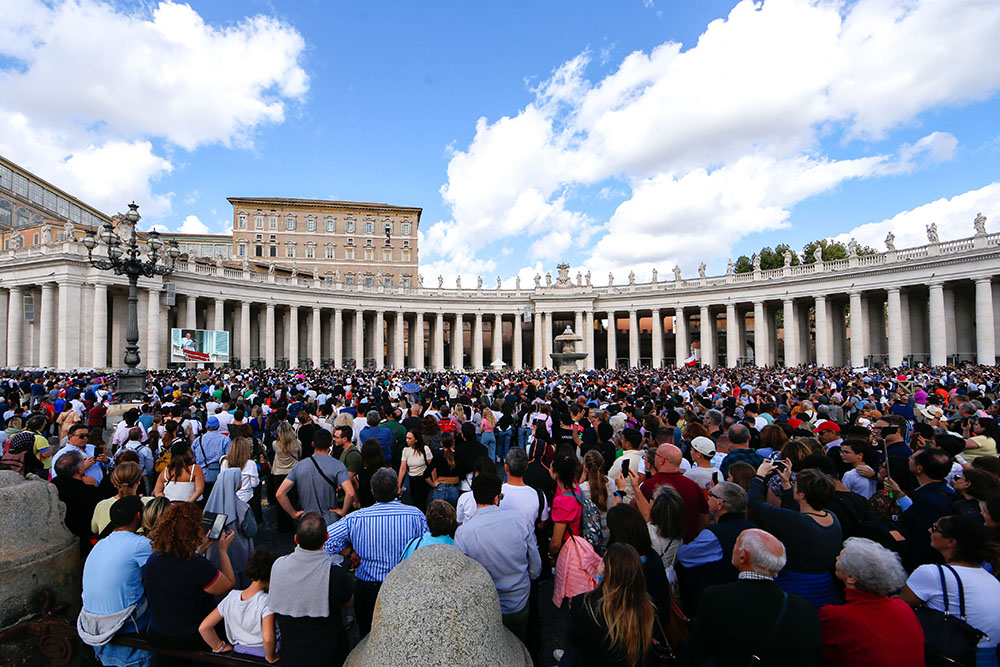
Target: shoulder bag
<point x="948" y="639"/>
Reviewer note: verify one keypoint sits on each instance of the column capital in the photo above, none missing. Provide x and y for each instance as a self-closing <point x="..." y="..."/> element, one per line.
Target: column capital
<point x="935" y="284"/>
<point x="820" y="297"/>
<point x="893" y="290"/>
<point x="984" y="280"/>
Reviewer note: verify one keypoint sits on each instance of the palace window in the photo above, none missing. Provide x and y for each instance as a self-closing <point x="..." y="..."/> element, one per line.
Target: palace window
<point x="348" y="253"/>
<point x="405" y="280"/>
<point x="349" y="280"/>
<point x="387" y="254"/>
<point x="310" y="225"/>
<point x="369" y="227"/>
<point x="349" y="227"/>
<point x="329" y="252"/>
<point x="274" y="251"/>
<point x="310" y="252"/>
<point x="406" y="254"/>
<point x="258" y="251"/>
<point x="272" y="222"/>
<point x="290" y="223"/>
<point x="387" y="228"/>
<point x="258" y="222"/>
<point x="242" y="222"/>
<point x="369" y="254"/>
<point x="289" y="250"/>
<point x="331" y="225"/>
<point x="243" y="250"/>
<point x="369" y="281"/>
<point x="387" y="281"/>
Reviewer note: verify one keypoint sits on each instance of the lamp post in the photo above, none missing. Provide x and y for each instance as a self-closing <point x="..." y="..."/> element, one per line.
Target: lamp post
<point x="125" y="258"/>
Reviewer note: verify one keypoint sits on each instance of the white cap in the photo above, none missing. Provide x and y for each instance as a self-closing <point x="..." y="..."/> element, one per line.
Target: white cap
<point x="703" y="446"/>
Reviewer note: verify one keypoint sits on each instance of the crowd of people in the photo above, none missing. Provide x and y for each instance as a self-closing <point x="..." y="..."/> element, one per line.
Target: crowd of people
<point x="679" y="516"/>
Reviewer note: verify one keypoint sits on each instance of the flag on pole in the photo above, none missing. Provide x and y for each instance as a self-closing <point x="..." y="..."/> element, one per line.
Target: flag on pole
<point x="691" y="361"/>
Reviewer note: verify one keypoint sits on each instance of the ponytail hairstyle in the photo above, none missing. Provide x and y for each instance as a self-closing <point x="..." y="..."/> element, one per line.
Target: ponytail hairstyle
<point x="593" y="470"/>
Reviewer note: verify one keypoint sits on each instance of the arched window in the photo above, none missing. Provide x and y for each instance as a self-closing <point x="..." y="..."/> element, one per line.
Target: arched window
<point x="310" y="224"/>
<point x="331" y="225"/>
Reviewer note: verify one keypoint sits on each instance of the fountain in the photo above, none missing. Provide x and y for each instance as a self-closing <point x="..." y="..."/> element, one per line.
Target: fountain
<point x="565" y="360"/>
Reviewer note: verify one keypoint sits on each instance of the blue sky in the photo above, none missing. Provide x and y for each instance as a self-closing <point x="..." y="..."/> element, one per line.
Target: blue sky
<point x="615" y="136"/>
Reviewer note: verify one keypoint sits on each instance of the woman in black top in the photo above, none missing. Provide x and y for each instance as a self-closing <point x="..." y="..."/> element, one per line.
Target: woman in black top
<point x="613" y="625"/>
<point x="372" y="459"/>
<point x="626" y="526"/>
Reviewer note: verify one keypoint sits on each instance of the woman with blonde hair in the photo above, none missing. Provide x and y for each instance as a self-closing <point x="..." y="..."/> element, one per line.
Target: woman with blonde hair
<point x="238" y="457"/>
<point x="488" y="438"/>
<point x="152" y="512"/>
<point x="595" y="485"/>
<point x="125" y="478"/>
<point x="612" y="625"/>
<point x="287" y="450"/>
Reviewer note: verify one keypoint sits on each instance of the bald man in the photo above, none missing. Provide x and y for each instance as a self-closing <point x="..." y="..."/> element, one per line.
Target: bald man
<point x="778" y="628"/>
<point x="667" y="464"/>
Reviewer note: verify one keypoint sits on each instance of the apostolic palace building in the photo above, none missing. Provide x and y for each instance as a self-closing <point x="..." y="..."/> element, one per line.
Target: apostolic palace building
<point x="307" y="283"/>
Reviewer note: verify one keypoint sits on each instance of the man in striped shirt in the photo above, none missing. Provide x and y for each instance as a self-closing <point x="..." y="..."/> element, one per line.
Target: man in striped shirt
<point x="374" y="539"/>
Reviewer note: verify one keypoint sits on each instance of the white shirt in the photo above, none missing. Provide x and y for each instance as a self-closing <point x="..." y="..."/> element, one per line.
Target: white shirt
<point x="524" y="500"/>
<point x="635" y="457"/>
<point x="465" y="508"/>
<point x="225" y="419"/>
<point x="243" y="618"/>
<point x="703" y="476"/>
<point x="249" y="478"/>
<point x="863" y="486"/>
<point x="982" y="596"/>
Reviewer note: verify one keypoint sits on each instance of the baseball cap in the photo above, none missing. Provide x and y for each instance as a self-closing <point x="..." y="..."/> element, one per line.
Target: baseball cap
<point x="213" y="422"/>
<point x="827" y="426"/>
<point x="703" y="446"/>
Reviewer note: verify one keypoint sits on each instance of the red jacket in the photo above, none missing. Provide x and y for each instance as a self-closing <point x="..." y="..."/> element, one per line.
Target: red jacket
<point x="871" y="630"/>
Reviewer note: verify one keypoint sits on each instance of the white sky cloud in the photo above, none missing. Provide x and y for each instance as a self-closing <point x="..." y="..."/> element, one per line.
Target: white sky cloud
<point x="720" y="140"/>
<point x="99" y="83"/>
<point x="192" y="225"/>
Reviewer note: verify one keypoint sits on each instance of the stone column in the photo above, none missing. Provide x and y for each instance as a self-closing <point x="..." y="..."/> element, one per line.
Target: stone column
<point x="219" y="323"/>
<point x="537" y="333"/>
<point x="682" y="347"/>
<point x="823" y="344"/>
<point x="935" y="320"/>
<point x="477" y="342"/>
<point x="398" y="342"/>
<point x="46" y="327"/>
<point x="99" y="354"/>
<point x="497" y="337"/>
<point x="707" y="336"/>
<point x="657" y="360"/>
<point x="316" y="333"/>
<point x="458" y="343"/>
<point x="732" y="337"/>
<point x="155" y="331"/>
<point x="791" y="327"/>
<point x="379" y="340"/>
<point x="293" y="336"/>
<point x="894" y="315"/>
<point x="245" y="353"/>
<point x="547" y="340"/>
<point x="760" y="334"/>
<point x="858" y="330"/>
<point x="359" y="339"/>
<point x="4" y="317"/>
<point x="588" y="337"/>
<point x="612" y="340"/>
<point x="337" y="333"/>
<point x="15" y="320"/>
<point x="418" y="341"/>
<point x="517" y="361"/>
<point x="985" y="338"/>
<point x="437" y="355"/>
<point x="191" y="313"/>
<point x="269" y="342"/>
<point x="633" y="338"/>
<point x="578" y="330"/>
<point x="68" y="337"/>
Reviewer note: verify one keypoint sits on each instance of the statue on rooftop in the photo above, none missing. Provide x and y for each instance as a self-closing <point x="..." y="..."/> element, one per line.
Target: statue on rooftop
<point x="980" y="224"/>
<point x="890" y="241"/>
<point x="677" y="273"/>
<point x="787" y="257"/>
<point x="729" y="268"/>
<point x="756" y="262"/>
<point x="458" y="282"/>
<point x="932" y="233"/>
<point x="654" y="276"/>
<point x="479" y="282"/>
<point x="631" y="277"/>
<point x="611" y="278"/>
<point x="517" y="282"/>
<point x="499" y="282"/>
<point x="538" y="280"/>
<point x="587" y="278"/>
<point x="295" y="269"/>
<point x="440" y="281"/>
<point x="46" y="234"/>
<point x="701" y="270"/>
<point x="818" y="253"/>
<point x="270" y="268"/>
<point x="548" y="279"/>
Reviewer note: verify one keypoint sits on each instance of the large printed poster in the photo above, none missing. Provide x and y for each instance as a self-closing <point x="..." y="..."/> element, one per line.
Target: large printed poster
<point x="199" y="346"/>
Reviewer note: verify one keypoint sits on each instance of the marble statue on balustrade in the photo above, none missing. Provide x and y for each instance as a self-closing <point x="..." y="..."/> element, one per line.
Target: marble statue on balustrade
<point x="852" y="248"/>
<point x="499" y="282"/>
<point x="890" y="241"/>
<point x="653" y="276"/>
<point x="420" y="280"/>
<point x="756" y="262"/>
<point x="677" y="273"/>
<point x="68" y="231"/>
<point x="818" y="254"/>
<point x="611" y="279"/>
<point x="270" y="268"/>
<point x="315" y="273"/>
<point x="701" y="270"/>
<point x="932" y="233"/>
<point x="46" y="234"/>
<point x="479" y="282"/>
<point x="245" y="264"/>
<point x="548" y="279"/>
<point x="440" y="282"/>
<point x="517" y="283"/>
<point x="787" y="257"/>
<point x="295" y="269"/>
<point x="631" y="277"/>
<point x="562" y="275"/>
<point x="979" y="224"/>
<point x="379" y="279"/>
<point x="730" y="268"/>
<point x="579" y="279"/>
<point x="458" y="282"/>
<point x="538" y="280"/>
<point x="218" y="260"/>
<point x="336" y="276"/>
<point x="587" y="278"/>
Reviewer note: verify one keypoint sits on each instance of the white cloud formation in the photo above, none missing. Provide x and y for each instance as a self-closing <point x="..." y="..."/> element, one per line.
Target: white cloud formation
<point x="953" y="216"/>
<point x="99" y="83"/>
<point x="720" y="140"/>
<point x="192" y="225"/>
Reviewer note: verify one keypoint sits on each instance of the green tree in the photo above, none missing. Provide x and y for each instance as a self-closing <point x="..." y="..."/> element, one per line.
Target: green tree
<point x="832" y="250"/>
<point x="769" y="259"/>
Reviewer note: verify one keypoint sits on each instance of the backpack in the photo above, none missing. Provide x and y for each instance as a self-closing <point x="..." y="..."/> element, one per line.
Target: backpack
<point x="590" y="519"/>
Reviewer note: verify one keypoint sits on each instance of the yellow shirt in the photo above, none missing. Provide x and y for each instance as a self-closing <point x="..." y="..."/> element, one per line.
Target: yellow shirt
<point x="42" y="445"/>
<point x="102" y="513"/>
<point x="987" y="447"/>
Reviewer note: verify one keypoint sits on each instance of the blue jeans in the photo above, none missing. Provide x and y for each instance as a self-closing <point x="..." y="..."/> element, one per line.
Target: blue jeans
<point x="522" y="437"/>
<point x="449" y="492"/>
<point x="503" y="443"/>
<point x="490" y="441"/>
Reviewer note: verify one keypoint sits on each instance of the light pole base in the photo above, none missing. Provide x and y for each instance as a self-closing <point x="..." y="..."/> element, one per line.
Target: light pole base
<point x="131" y="385"/>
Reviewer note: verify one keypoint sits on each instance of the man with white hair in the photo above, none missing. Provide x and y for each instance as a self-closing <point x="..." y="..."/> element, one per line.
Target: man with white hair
<point x="752" y="617"/>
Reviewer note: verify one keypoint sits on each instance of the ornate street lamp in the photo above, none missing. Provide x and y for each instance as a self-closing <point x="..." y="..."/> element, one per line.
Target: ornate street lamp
<point x="124" y="258"/>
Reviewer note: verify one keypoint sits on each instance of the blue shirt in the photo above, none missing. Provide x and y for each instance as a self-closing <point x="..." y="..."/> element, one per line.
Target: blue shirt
<point x="423" y="541"/>
<point x="112" y="581"/>
<point x="215" y="446"/>
<point x="378" y="534"/>
<point x="96" y="471"/>
<point x="382" y="434"/>
<point x="504" y="543"/>
<point x="702" y="550"/>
